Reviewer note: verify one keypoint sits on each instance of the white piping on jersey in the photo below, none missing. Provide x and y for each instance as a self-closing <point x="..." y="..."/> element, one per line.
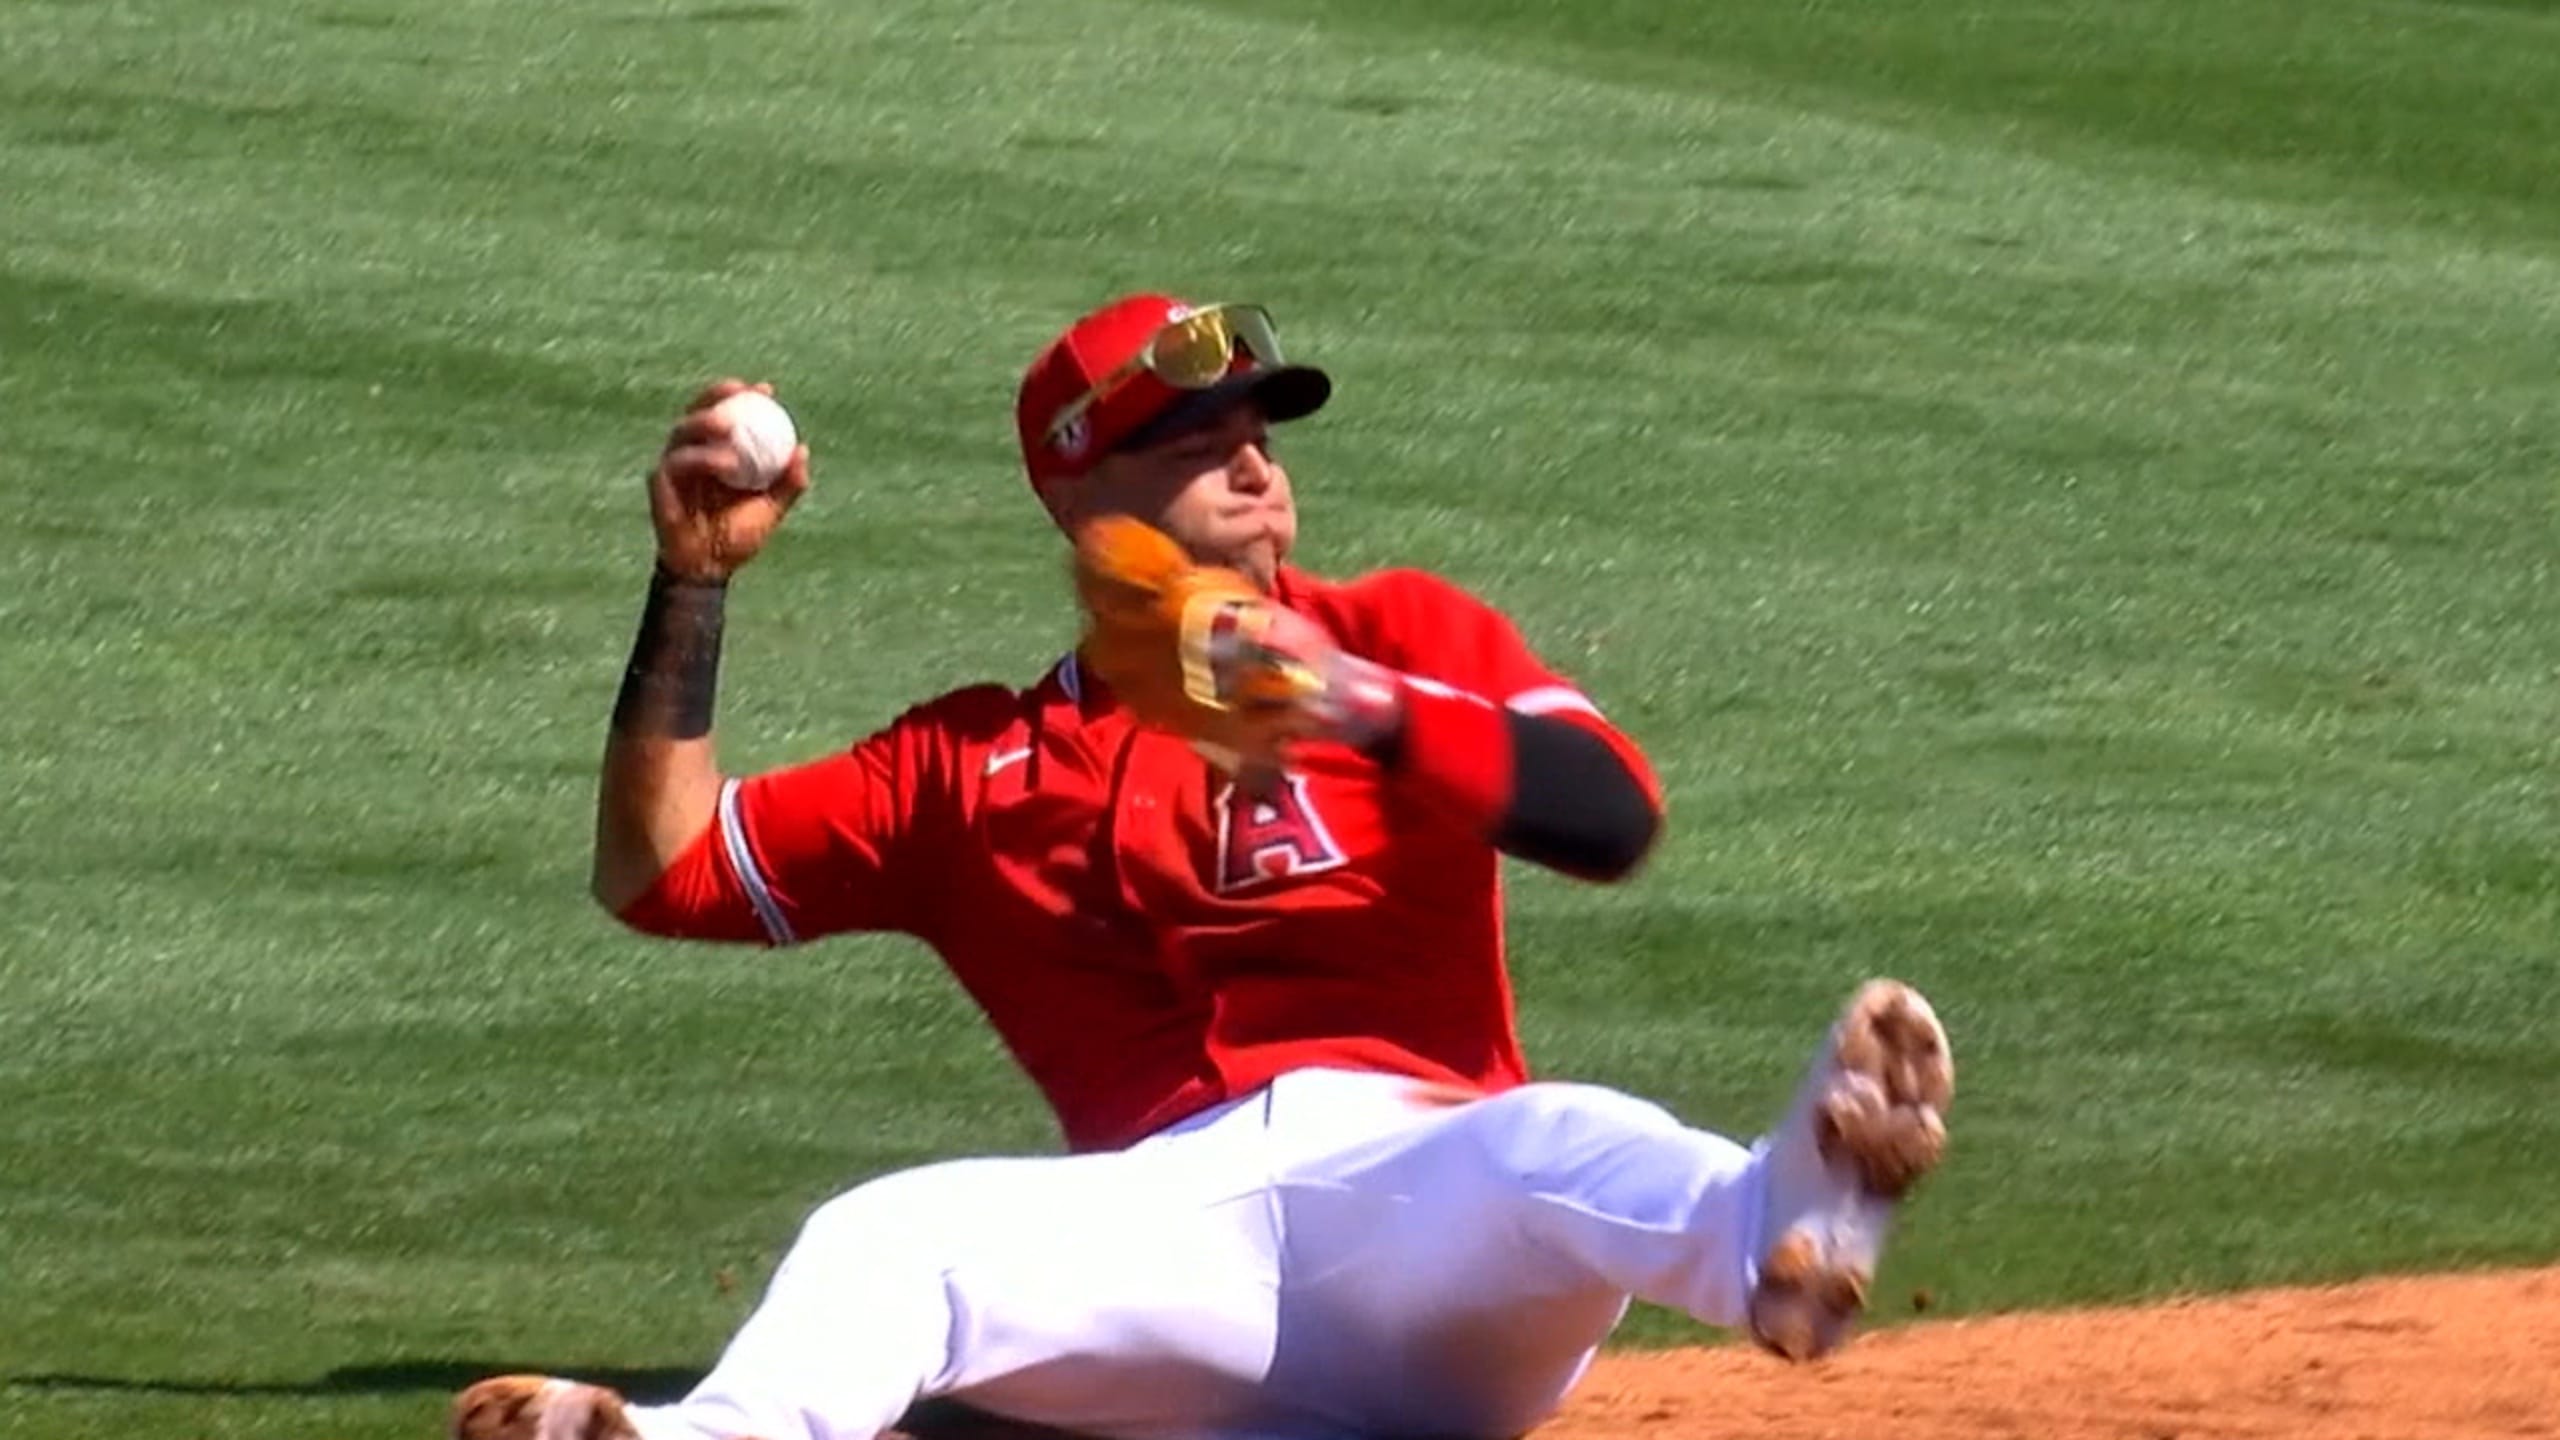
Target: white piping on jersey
<point x="733" y="837"/>
<point x="998" y="762"/>
<point x="1538" y="700"/>
<point x="1444" y="690"/>
<point x="1548" y="699"/>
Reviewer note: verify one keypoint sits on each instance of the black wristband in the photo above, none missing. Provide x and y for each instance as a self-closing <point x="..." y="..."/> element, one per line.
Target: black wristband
<point x="674" y="674"/>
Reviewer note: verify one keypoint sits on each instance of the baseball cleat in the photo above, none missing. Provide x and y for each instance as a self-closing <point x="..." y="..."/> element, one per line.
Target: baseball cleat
<point x="1867" y="1124"/>
<point x="537" y="1407"/>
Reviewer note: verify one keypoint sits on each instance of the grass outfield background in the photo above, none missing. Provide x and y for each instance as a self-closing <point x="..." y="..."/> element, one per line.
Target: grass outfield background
<point x="2065" y="491"/>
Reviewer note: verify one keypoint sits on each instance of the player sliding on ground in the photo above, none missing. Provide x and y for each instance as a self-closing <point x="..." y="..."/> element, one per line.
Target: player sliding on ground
<point x="1225" y="882"/>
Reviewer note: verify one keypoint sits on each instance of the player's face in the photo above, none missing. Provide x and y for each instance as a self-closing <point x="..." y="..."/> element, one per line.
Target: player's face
<point x="1216" y="489"/>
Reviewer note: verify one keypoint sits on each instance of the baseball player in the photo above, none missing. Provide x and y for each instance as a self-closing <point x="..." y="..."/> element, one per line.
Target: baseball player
<point x="1225" y="881"/>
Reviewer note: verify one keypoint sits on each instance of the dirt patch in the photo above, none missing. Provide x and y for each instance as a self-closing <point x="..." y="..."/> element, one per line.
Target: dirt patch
<point x="2434" y="1358"/>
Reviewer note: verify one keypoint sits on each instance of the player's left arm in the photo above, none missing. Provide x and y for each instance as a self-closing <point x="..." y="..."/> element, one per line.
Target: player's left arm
<point x="1463" y="711"/>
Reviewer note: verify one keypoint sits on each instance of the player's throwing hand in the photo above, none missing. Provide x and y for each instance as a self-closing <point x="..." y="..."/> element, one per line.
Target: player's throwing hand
<point x="707" y="526"/>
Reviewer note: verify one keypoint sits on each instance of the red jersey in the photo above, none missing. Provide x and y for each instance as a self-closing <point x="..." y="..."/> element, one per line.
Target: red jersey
<point x="1146" y="941"/>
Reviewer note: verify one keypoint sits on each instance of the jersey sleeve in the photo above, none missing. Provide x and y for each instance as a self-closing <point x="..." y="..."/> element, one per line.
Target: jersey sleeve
<point x="1469" y="680"/>
<point x="848" y="842"/>
<point x="1445" y="639"/>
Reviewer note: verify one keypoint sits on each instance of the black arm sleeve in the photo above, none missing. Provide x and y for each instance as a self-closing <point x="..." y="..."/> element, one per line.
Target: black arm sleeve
<point x="674" y="674"/>
<point x="1574" y="805"/>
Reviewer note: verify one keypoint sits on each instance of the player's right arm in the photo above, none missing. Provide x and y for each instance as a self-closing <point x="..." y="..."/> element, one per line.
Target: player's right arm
<point x="660" y="788"/>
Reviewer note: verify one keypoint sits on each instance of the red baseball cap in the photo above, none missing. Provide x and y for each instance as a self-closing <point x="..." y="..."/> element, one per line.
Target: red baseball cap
<point x="1095" y="389"/>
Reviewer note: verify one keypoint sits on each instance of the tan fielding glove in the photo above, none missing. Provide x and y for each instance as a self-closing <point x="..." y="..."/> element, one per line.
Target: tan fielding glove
<point x="1197" y="650"/>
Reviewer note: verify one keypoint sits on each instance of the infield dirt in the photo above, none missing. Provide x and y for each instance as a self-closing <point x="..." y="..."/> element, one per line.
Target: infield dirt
<point x="2425" y="1358"/>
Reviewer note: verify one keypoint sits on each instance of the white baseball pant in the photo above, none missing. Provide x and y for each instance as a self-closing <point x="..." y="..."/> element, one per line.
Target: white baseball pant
<point x="1336" y="1255"/>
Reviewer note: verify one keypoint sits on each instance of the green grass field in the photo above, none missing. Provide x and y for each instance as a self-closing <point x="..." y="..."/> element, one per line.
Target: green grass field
<point x="2066" y="492"/>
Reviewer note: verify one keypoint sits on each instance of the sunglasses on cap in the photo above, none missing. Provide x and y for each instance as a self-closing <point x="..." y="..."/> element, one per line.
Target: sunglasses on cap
<point x="1193" y="351"/>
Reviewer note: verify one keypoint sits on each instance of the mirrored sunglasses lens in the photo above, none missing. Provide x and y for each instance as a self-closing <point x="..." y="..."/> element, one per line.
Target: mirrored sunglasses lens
<point x="1251" y="326"/>
<point x="1193" y="352"/>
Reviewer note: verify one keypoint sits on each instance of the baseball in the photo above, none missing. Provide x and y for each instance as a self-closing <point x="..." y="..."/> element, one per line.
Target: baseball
<point x="764" y="436"/>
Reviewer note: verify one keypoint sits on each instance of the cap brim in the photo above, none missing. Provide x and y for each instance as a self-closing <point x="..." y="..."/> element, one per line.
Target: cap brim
<point x="1283" y="392"/>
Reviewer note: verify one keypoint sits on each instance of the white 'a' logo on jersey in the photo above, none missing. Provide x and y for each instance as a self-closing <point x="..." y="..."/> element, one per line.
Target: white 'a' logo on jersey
<point x="1270" y="837"/>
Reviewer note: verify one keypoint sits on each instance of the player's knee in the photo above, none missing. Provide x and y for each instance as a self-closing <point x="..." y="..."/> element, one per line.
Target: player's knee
<point x="906" y="1214"/>
<point x="868" y="1219"/>
<point x="842" y="1220"/>
<point x="1538" y="1127"/>
<point x="1595" y="1107"/>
